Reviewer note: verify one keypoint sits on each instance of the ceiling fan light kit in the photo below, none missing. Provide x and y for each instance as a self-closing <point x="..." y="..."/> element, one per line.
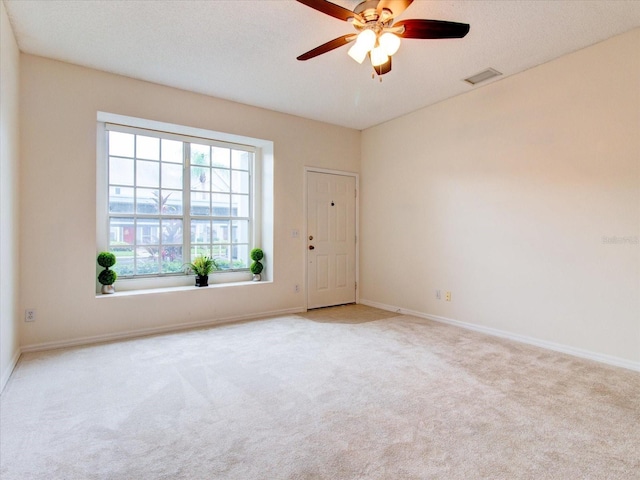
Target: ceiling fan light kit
<point x="366" y="39"/>
<point x="358" y="52"/>
<point x="390" y="42"/>
<point x="378" y="56"/>
<point x="378" y="37"/>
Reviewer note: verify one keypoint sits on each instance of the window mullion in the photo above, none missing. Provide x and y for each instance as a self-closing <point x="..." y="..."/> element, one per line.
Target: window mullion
<point x="186" y="202"/>
<point x="161" y="219"/>
<point x="136" y="240"/>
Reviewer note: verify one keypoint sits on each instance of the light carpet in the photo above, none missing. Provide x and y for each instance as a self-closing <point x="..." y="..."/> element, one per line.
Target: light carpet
<point x="343" y="393"/>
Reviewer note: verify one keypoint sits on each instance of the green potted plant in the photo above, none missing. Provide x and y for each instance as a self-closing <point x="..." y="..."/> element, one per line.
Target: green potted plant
<point x="256" y="267"/>
<point x="107" y="277"/>
<point x="202" y="266"/>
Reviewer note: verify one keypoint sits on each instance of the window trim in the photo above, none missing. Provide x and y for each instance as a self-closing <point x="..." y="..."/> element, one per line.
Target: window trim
<point x="260" y="208"/>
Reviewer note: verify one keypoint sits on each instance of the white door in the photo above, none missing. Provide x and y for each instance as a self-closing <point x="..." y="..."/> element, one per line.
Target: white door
<point x="331" y="239"/>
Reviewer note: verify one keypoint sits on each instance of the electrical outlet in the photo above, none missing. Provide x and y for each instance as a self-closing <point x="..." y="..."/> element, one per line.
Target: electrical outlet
<point x="297" y="288"/>
<point x="438" y="295"/>
<point x="448" y="296"/>
<point x="30" y="315"/>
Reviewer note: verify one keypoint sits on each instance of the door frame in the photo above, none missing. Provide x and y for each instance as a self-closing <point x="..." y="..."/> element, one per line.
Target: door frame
<point x="343" y="173"/>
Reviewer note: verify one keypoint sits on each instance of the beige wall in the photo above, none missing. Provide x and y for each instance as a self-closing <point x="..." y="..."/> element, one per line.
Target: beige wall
<point x="503" y="196"/>
<point x="58" y="193"/>
<point x="9" y="161"/>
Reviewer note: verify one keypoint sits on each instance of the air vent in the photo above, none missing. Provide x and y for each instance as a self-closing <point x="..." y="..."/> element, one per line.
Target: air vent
<point x="482" y="76"/>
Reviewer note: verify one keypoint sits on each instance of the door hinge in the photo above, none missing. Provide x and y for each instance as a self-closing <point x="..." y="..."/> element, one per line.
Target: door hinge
<point x="356" y="285"/>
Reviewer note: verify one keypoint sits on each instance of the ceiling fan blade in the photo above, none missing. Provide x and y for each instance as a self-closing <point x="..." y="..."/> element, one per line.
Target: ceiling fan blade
<point x="327" y="47"/>
<point x="384" y="68"/>
<point x="432" y="29"/>
<point x="396" y="7"/>
<point x="331" y="9"/>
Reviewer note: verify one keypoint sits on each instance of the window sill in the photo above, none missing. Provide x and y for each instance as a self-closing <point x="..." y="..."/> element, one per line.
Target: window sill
<point x="173" y="282"/>
<point x="155" y="291"/>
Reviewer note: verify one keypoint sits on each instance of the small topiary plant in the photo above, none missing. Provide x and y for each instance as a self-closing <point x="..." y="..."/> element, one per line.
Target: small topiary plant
<point x="202" y="266"/>
<point x="107" y="277"/>
<point x="256" y="267"/>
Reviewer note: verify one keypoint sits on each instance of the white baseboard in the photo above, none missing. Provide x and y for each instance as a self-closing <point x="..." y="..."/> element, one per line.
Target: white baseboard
<point x="9" y="370"/>
<point x="576" y="352"/>
<point x="143" y="332"/>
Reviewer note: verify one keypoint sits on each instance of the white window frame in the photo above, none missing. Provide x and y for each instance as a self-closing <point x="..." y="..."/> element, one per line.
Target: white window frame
<point x="260" y="209"/>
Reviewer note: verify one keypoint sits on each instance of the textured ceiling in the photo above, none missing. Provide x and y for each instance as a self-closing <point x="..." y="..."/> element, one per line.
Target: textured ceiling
<point x="245" y="50"/>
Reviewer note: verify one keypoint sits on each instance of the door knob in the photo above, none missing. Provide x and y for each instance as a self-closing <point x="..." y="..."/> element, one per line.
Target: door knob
<point x="311" y="247"/>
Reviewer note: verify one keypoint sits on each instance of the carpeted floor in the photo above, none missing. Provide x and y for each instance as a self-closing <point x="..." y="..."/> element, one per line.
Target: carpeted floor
<point x="344" y="393"/>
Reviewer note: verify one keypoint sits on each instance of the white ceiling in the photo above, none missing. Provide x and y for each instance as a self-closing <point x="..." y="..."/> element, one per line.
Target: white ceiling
<point x="245" y="50"/>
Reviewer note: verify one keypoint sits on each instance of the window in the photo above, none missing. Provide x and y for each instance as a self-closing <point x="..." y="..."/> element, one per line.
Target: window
<point x="172" y="197"/>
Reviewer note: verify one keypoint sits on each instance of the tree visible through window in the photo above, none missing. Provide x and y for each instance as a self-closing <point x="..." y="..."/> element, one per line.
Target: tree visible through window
<point x="172" y="198"/>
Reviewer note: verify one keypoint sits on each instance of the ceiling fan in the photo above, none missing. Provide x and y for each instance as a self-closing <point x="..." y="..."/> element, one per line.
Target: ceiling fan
<point x="377" y="36"/>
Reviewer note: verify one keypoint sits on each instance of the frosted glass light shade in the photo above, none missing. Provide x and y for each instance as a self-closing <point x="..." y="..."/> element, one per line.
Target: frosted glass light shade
<point x="390" y="43"/>
<point x="357" y="52"/>
<point x="378" y="56"/>
<point x="366" y="39"/>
